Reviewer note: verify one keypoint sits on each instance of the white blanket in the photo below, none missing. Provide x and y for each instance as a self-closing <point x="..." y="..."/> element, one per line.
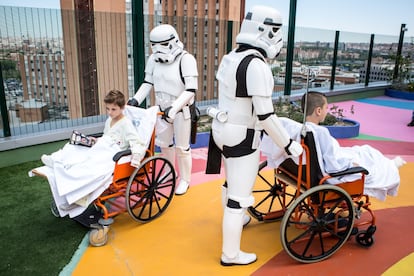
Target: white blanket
<point x="383" y="178"/>
<point x="85" y="173"/>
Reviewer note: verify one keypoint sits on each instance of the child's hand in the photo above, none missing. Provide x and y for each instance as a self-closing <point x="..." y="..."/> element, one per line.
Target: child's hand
<point x="93" y="140"/>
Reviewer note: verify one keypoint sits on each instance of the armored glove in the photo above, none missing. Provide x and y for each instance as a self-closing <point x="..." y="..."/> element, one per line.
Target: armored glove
<point x="293" y="148"/>
<point x="133" y="102"/>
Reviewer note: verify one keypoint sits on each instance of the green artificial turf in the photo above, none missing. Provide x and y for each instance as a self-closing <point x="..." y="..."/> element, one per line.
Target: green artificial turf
<point x="33" y="241"/>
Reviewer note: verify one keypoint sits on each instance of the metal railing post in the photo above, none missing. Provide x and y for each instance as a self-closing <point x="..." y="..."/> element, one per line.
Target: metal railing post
<point x="398" y="57"/>
<point x="229" y="46"/>
<point x="290" y="47"/>
<point x="3" y="107"/>
<point x="368" y="70"/>
<point x="334" y="59"/>
<point x="138" y="44"/>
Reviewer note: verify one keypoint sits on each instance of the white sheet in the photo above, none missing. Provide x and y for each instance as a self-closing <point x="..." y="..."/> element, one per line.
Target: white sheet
<point x="85" y="173"/>
<point x="383" y="178"/>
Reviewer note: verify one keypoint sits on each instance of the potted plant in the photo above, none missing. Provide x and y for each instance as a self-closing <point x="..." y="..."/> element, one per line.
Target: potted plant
<point x="338" y="125"/>
<point x="403" y="85"/>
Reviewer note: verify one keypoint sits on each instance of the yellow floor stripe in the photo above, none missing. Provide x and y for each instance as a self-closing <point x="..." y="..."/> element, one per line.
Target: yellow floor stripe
<point x="403" y="268"/>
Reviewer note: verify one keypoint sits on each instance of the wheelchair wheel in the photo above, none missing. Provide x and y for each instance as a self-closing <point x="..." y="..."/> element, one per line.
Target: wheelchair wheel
<point x="54" y="209"/>
<point x="317" y="224"/>
<point x="98" y="236"/>
<point x="150" y="189"/>
<point x="271" y="198"/>
<point x="366" y="238"/>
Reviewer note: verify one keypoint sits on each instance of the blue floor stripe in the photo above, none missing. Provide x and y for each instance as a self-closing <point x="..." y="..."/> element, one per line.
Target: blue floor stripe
<point x="389" y="103"/>
<point x="70" y="267"/>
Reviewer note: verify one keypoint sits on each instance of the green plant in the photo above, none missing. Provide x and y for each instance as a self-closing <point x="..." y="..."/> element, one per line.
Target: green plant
<point x="290" y="109"/>
<point x="404" y="80"/>
<point x="336" y="115"/>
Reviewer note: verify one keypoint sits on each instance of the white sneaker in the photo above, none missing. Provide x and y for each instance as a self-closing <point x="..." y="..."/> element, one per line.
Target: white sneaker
<point x="242" y="258"/>
<point x="47" y="160"/>
<point x="398" y="161"/>
<point x="182" y="187"/>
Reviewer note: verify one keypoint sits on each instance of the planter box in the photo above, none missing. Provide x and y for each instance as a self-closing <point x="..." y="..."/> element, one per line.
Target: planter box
<point x="399" y="94"/>
<point x="345" y="131"/>
<point x="202" y="140"/>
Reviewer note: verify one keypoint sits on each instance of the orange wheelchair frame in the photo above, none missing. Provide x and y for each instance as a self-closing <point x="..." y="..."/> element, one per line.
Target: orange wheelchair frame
<point x="316" y="218"/>
<point x="144" y="192"/>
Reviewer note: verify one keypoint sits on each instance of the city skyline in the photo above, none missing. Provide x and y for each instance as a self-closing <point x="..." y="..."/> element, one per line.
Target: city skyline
<point x="380" y="17"/>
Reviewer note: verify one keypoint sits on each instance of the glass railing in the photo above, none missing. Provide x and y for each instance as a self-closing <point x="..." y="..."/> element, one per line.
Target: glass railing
<point x="57" y="65"/>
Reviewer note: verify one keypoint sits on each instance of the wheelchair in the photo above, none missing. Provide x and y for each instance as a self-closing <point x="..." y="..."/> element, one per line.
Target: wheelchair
<point x="316" y="218"/>
<point x="144" y="192"/>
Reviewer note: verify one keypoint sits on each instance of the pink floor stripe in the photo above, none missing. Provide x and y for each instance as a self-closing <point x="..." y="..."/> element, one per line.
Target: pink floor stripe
<point x="380" y="121"/>
<point x="384" y="146"/>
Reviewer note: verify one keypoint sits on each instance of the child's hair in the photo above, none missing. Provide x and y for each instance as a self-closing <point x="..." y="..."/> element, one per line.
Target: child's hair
<point x="115" y="97"/>
<point x="314" y="100"/>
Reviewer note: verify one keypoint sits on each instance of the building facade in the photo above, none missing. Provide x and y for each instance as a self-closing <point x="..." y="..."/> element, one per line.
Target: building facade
<point x="98" y="44"/>
<point x="95" y="52"/>
<point x="43" y="86"/>
<point x="208" y="29"/>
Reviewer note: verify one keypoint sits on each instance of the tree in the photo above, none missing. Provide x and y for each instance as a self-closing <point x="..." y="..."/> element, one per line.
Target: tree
<point x="9" y="68"/>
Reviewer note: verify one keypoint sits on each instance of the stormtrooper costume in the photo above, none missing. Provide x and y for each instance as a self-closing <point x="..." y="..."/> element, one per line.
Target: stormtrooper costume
<point x="172" y="72"/>
<point x="245" y="90"/>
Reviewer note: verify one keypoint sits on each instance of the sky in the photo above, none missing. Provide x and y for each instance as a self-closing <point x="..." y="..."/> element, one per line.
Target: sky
<point x="362" y="16"/>
<point x="383" y="17"/>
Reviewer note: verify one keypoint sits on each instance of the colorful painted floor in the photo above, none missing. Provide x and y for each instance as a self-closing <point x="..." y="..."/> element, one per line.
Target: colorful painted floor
<point x="186" y="240"/>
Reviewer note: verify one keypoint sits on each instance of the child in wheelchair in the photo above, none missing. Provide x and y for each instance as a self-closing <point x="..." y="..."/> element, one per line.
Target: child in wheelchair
<point x="77" y="173"/>
<point x="383" y="178"/>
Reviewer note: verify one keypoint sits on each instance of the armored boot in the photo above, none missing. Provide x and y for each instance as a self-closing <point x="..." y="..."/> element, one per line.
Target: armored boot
<point x="185" y="165"/>
<point x="232" y="230"/>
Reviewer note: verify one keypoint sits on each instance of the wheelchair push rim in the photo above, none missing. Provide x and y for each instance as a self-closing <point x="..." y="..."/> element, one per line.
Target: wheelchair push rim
<point x="317" y="224"/>
<point x="150" y="189"/>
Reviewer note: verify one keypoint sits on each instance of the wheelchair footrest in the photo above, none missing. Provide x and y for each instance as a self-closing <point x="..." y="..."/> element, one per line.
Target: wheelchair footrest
<point x="286" y="179"/>
<point x="89" y="217"/>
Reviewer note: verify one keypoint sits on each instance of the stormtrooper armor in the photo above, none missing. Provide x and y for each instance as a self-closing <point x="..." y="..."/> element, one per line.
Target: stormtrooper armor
<point x="172" y="73"/>
<point x="248" y="105"/>
<point x="261" y="28"/>
<point x="165" y="43"/>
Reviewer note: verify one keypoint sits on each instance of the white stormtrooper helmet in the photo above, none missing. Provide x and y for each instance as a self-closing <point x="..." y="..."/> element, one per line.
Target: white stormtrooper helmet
<point x="261" y="28"/>
<point x="165" y="43"/>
